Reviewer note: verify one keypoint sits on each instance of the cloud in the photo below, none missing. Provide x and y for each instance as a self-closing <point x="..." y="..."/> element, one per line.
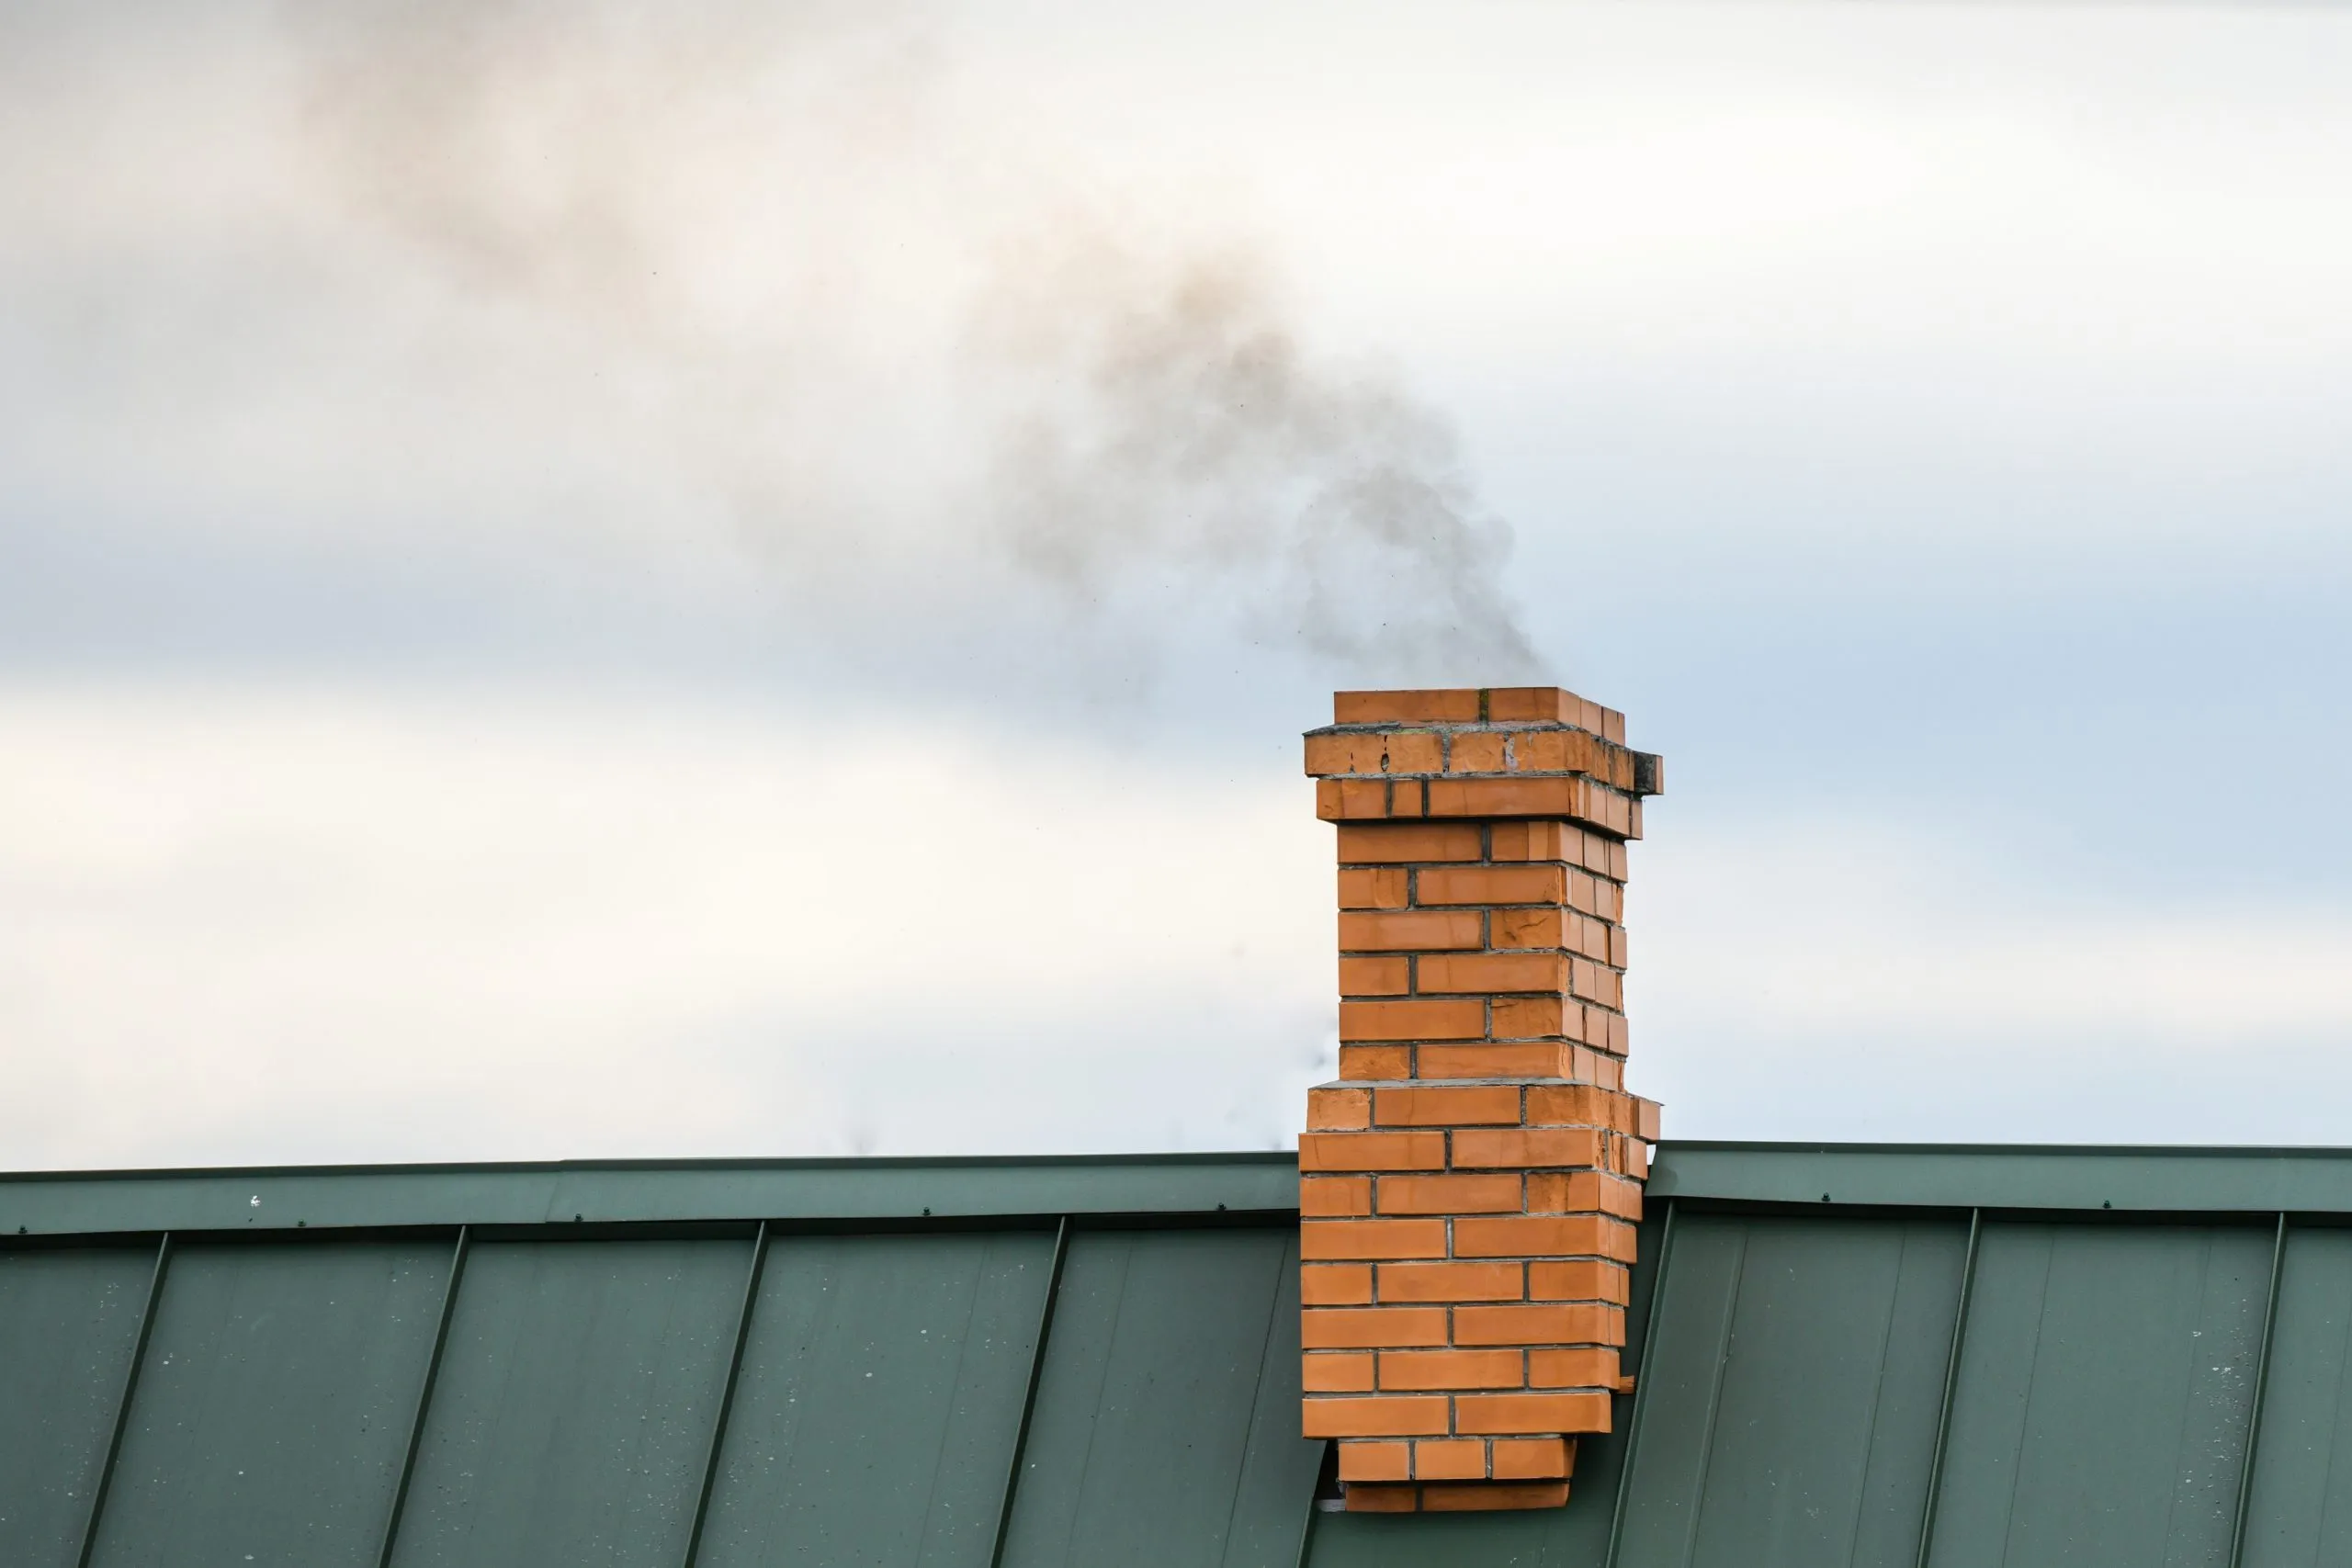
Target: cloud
<point x="1797" y="975"/>
<point x="1798" y="922"/>
<point x="397" y="923"/>
<point x="535" y="285"/>
<point x="1854" y="396"/>
<point x="291" y="924"/>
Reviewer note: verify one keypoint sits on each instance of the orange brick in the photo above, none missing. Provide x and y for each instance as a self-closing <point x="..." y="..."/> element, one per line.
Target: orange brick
<point x="1384" y="1499"/>
<point x="1371" y="1151"/>
<point x="1620" y="1197"/>
<point x="1608" y="901"/>
<point x="1414" y="752"/>
<point x="1523" y="1148"/>
<point x="1554" y="1193"/>
<point x="1578" y="1105"/>
<point x="1411" y="931"/>
<point x="1375" y="1461"/>
<point x="1531" y="840"/>
<point x="1345" y="1284"/>
<point x="1399" y="844"/>
<point x="1333" y="1109"/>
<point x="1531" y="1235"/>
<point x="1324" y="1241"/>
<point x="1596" y="1323"/>
<point x="1351" y="800"/>
<point x="1514" y="1414"/>
<point x="1534" y="1459"/>
<point x="1533" y="705"/>
<point x="1358" y="1062"/>
<point x="1586" y="935"/>
<point x="1554" y="1235"/>
<point x="1582" y="1368"/>
<point x="1582" y="895"/>
<point x="1449" y="1459"/>
<point x="1445" y="1105"/>
<point x="1325" y="1197"/>
<point x="1330" y="1372"/>
<point x="1546" y="927"/>
<point x="1613" y="938"/>
<point x="1463" y="1019"/>
<point x="1451" y="1282"/>
<point x="1599" y="1068"/>
<point x="1373" y="887"/>
<point x="1647" y="1115"/>
<point x="1448" y="706"/>
<point x="1388" y="1415"/>
<point x="1508" y="796"/>
<point x="1578" y="1280"/>
<point x="1371" y="1328"/>
<point x="1474" y="1496"/>
<point x="1570" y="1323"/>
<point x="1406" y="798"/>
<point x="1491" y="884"/>
<point x="1637" y="1159"/>
<point x="1496" y="1059"/>
<point x="1375" y="977"/>
<point x="1596" y="982"/>
<point x="1475" y="751"/>
<point x="1615" y="867"/>
<point x="1420" y="1370"/>
<point x="1555" y="751"/>
<point x="1533" y="1017"/>
<point x="1584" y="1191"/>
<point x="1331" y="751"/>
<point x="1441" y="973"/>
<point x="1495" y="1194"/>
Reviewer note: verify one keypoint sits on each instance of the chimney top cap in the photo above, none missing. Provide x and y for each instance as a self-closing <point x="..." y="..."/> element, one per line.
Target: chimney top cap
<point x="1479" y="704"/>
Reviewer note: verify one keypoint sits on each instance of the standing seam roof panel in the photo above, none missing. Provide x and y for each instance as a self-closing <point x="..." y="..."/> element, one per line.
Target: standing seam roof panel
<point x="67" y="1323"/>
<point x="881" y="1391"/>
<point x="2109" y="1398"/>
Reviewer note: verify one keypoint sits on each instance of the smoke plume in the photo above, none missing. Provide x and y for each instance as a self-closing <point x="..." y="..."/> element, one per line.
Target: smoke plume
<point x="714" y="206"/>
<point x="1174" y="423"/>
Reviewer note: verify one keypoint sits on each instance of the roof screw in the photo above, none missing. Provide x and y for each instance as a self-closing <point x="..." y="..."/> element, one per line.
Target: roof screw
<point x="1825" y="1197"/>
<point x="2106" y="1203"/>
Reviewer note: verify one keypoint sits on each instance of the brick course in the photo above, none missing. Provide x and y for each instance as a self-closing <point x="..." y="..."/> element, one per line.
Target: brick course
<point x="1471" y="1183"/>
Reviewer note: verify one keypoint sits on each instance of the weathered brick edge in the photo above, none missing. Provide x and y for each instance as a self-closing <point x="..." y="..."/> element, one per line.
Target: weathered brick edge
<point x="1469" y="1186"/>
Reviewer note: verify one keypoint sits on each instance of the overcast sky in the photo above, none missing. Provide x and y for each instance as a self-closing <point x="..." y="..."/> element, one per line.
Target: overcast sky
<point x="726" y="579"/>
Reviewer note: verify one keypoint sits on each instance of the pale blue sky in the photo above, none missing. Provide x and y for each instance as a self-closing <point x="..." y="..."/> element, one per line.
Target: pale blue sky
<point x="519" y="634"/>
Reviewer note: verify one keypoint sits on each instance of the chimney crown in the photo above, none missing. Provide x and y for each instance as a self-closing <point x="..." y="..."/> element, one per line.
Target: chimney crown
<point x="1488" y="754"/>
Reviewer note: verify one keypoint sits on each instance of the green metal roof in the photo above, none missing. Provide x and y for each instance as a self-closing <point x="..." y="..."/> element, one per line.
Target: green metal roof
<point x="1847" y="1355"/>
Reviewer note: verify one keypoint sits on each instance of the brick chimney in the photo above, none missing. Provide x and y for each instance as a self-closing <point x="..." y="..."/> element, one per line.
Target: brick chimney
<point x="1469" y="1186"/>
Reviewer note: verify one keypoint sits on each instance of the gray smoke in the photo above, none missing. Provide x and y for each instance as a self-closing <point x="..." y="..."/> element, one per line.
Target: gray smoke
<point x="1125" y="416"/>
<point x="1175" y="423"/>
